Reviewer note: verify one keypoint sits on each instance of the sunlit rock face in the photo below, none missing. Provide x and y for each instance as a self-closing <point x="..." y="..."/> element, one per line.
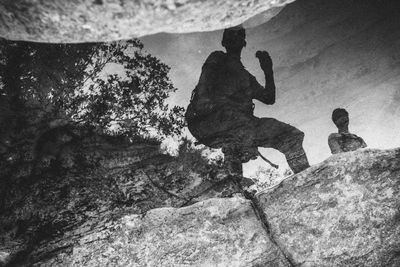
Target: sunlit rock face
<point x="342" y="212"/>
<point x="216" y="232"/>
<point x="326" y="54"/>
<point x="47" y="217"/>
<point x="106" y="20"/>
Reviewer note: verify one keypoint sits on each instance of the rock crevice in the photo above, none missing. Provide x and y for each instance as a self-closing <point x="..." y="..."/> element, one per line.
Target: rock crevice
<point x="258" y="209"/>
<point x="342" y="212"/>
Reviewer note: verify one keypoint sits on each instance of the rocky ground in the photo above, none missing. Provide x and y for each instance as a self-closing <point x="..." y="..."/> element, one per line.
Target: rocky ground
<point x="154" y="211"/>
<point x="342" y="212"/>
<point x="48" y="216"/>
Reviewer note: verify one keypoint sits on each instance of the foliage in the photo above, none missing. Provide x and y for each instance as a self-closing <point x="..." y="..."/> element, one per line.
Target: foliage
<point x="116" y="88"/>
<point x="268" y="177"/>
<point x="193" y="158"/>
<point x="130" y="100"/>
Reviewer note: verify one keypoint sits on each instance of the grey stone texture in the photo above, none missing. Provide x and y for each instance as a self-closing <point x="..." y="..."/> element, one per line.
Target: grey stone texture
<point x="342" y="212"/>
<point x="106" y="20"/>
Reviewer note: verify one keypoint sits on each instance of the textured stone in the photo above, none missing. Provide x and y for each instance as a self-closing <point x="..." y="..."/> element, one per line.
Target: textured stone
<point x="48" y="217"/>
<point x="342" y="212"/>
<point x="216" y="232"/>
<point x="105" y="20"/>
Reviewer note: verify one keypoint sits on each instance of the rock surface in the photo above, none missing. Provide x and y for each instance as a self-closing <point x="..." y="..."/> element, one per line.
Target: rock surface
<point x="148" y="209"/>
<point x="342" y="212"/>
<point x="41" y="219"/>
<point x="216" y="232"/>
<point x="106" y="20"/>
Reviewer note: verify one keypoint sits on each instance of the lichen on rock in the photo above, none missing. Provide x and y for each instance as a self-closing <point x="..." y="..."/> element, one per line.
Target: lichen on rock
<point x="342" y="212"/>
<point x="45" y="218"/>
<point x="215" y="232"/>
<point x="151" y="211"/>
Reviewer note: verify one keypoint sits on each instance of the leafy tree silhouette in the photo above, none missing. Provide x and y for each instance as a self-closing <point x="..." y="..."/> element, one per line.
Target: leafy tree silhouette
<point x="117" y="88"/>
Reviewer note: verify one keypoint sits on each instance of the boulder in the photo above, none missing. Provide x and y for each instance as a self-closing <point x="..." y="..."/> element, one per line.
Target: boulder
<point x="106" y="20"/>
<point x="150" y="210"/>
<point x="342" y="212"/>
<point x="215" y="232"/>
<point x="48" y="216"/>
